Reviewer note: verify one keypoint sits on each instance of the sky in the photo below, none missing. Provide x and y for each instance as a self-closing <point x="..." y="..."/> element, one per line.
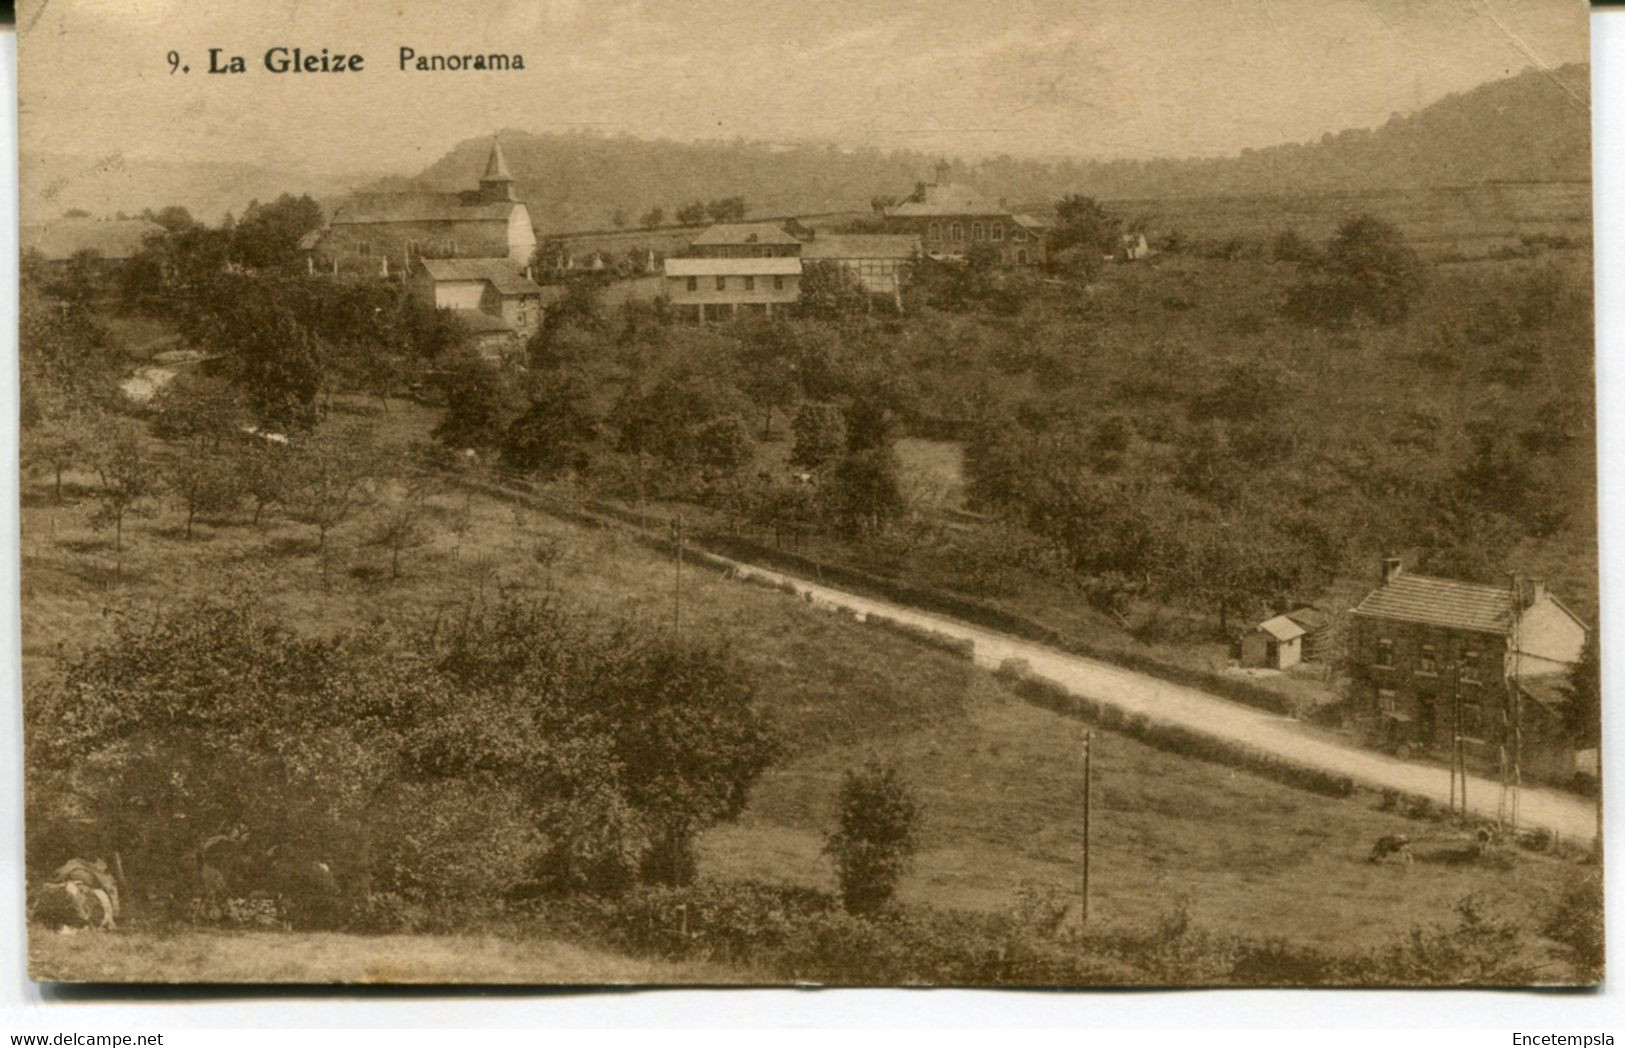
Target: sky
<point x="1082" y="78"/>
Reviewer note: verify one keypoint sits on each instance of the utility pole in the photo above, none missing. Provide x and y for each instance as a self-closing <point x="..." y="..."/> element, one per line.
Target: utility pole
<point x="677" y="588"/>
<point x="1088" y="737"/>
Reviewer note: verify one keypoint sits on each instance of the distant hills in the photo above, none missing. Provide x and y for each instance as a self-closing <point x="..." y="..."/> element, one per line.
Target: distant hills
<point x="1532" y="127"/>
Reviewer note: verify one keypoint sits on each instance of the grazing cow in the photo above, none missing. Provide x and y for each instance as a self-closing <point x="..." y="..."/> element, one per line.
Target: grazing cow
<point x="1397" y="845"/>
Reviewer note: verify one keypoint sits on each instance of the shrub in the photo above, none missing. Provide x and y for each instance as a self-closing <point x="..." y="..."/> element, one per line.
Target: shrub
<point x="875" y="838"/>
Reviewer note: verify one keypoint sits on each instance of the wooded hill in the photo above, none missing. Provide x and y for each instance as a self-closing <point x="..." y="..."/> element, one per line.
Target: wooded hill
<point x="1532" y="127"/>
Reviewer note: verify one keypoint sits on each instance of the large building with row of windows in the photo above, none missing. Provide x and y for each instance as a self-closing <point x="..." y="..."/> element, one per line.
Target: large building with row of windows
<point x="951" y="220"/>
<point x="742" y="269"/>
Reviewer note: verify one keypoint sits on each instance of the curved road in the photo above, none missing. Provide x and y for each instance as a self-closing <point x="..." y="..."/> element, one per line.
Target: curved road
<point x="1571" y="816"/>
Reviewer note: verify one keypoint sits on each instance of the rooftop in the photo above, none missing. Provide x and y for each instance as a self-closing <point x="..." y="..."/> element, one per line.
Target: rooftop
<point x="503" y="274"/>
<point x="728" y="267"/>
<point x="1282" y="628"/>
<point x="860" y="245"/>
<point x="1441" y="602"/>
<point x="112" y="238"/>
<point x="423" y="207"/>
<point x="949" y="200"/>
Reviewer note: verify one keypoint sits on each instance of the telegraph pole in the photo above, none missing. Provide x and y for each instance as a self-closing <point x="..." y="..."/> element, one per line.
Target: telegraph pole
<point x="1087" y="739"/>
<point x="677" y="587"/>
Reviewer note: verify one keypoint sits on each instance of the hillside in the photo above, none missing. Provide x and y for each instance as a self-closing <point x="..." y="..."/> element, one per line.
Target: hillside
<point x="1532" y="127"/>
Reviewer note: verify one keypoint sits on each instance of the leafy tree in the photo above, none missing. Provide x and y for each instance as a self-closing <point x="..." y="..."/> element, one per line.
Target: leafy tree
<point x="652" y="218"/>
<point x="174" y="219"/>
<point x="1081" y="222"/>
<point x="481" y="402"/>
<point x="769" y="373"/>
<point x="1368" y="272"/>
<point x="67" y="361"/>
<point x="57" y="444"/>
<point x="865" y="491"/>
<point x="204" y="482"/>
<point x="692" y="214"/>
<point x="331" y="476"/>
<point x="557" y="431"/>
<point x="266" y="470"/>
<point x="726" y="209"/>
<point x="197" y="410"/>
<point x="876" y="835"/>
<point x="617" y="218"/>
<point x="724" y="445"/>
<point x="127" y="476"/>
<point x="831" y="291"/>
<point x="1583" y="713"/>
<point x="403" y="526"/>
<point x="268" y="235"/>
<point x="268" y="330"/>
<point x="820" y="431"/>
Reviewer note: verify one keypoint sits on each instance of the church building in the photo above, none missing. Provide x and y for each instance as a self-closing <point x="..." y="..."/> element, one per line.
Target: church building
<point x="385" y="234"/>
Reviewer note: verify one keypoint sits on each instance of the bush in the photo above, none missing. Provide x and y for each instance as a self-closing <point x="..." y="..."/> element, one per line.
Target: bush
<point x="875" y="838"/>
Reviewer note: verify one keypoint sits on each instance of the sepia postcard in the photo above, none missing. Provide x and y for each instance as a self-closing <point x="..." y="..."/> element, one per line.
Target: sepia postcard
<point x="1080" y="493"/>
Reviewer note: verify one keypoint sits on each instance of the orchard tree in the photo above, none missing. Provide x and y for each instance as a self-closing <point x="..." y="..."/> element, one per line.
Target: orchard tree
<point x="1367" y="272"/>
<point x="481" y="402"/>
<point x="197" y="410"/>
<point x="864" y="493"/>
<point x="331" y="479"/>
<point x="652" y="218"/>
<point x="820" y="431"/>
<point x="204" y="481"/>
<point x="127" y="475"/>
<point x="557" y="432"/>
<point x="404" y="525"/>
<point x="831" y="291"/>
<point x="876" y="835"/>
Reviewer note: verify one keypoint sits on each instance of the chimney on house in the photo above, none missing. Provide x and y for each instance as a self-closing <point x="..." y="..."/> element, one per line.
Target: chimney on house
<point x="1537" y="590"/>
<point x="942" y="172"/>
<point x="1004" y="205"/>
<point x="1391" y="568"/>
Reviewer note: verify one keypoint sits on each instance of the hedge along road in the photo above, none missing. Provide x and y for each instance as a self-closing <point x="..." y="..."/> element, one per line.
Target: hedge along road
<point x="1570" y="816"/>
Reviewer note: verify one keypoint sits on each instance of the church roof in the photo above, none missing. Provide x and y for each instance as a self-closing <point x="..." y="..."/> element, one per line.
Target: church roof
<point x="422" y="207"/>
<point x="496" y="166"/>
<point x="113" y="238"/>
<point x="501" y="273"/>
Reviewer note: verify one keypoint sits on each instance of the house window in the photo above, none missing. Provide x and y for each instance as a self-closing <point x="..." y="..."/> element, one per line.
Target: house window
<point x="1469" y="665"/>
<point x="411" y="249"/>
<point x="1387" y="704"/>
<point x="364" y="248"/>
<point x="998" y="230"/>
<point x="1018" y="234"/>
<point x="778" y="283"/>
<point x="1472" y="720"/>
<point x="750" y="283"/>
<point x="934" y="231"/>
<point x="1428" y="661"/>
<point x="1385" y="654"/>
<point x="693" y="283"/>
<point x="722" y="283"/>
<point x="958" y="231"/>
<point x="1021" y="257"/>
<point x="976" y="230"/>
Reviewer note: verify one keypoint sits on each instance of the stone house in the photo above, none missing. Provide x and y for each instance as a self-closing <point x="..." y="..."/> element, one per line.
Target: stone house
<point x="950" y="220"/>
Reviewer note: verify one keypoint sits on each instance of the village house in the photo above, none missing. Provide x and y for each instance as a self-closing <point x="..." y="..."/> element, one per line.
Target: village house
<point x="383" y="234"/>
<point x="735" y="269"/>
<point x="951" y="219"/>
<point x="495" y="298"/>
<point x="110" y="242"/>
<point x="880" y="262"/>
<point x="1433" y="656"/>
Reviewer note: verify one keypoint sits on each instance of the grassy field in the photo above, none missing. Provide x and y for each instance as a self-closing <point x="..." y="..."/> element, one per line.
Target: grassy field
<point x="999" y="778"/>
<point x="272" y="957"/>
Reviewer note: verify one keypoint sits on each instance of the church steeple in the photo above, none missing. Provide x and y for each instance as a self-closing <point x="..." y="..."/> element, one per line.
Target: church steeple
<point x="497" y="182"/>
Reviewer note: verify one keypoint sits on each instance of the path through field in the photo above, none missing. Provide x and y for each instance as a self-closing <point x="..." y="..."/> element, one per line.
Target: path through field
<point x="1571" y="816"/>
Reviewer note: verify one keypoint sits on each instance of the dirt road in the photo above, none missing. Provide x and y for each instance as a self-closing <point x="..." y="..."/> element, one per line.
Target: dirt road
<point x="1571" y="816"/>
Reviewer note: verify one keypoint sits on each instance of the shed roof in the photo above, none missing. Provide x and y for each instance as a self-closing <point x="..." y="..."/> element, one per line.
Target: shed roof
<point x="727" y="267"/>
<point x="422" y="207"/>
<point x="861" y="245"/>
<point x="502" y="273"/>
<point x="112" y="238"/>
<point x="1282" y="628"/>
<point x="1441" y="602"/>
<point x="745" y="233"/>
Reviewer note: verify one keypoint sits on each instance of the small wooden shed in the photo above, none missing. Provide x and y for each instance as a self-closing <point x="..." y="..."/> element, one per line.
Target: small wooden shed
<point x="1275" y="644"/>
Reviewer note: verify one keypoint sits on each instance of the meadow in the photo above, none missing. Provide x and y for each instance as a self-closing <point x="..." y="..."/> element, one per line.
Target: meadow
<point x="998" y="778"/>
